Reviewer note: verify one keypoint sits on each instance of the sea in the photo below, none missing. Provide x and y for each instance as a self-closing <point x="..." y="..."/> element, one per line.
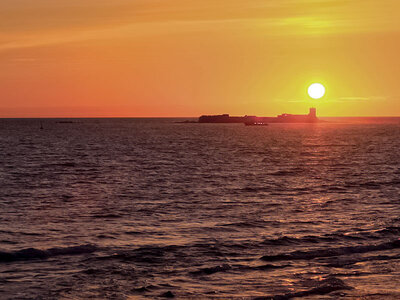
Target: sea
<point x="153" y="209"/>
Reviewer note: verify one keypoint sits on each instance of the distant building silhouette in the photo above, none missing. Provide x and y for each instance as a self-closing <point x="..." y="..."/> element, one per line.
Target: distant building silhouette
<point x="313" y="112"/>
<point x="283" y="118"/>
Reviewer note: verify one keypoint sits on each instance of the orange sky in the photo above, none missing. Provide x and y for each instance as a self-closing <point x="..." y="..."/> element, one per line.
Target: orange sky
<point x="86" y="58"/>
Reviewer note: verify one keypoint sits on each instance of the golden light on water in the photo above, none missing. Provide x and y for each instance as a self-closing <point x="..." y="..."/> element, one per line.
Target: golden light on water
<point x="316" y="91"/>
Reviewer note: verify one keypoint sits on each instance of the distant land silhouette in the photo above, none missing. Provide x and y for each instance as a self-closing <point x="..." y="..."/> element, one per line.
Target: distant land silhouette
<point x="311" y="117"/>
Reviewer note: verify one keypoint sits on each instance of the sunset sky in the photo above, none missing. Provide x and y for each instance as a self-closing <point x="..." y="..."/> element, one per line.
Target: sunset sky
<point x="112" y="58"/>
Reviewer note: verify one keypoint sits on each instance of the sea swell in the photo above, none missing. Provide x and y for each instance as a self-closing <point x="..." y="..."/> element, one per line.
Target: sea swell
<point x="34" y="254"/>
<point x="331" y="252"/>
<point x="322" y="287"/>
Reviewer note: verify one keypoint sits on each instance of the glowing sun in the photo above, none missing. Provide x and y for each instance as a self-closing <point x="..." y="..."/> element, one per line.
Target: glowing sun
<point x="316" y="90"/>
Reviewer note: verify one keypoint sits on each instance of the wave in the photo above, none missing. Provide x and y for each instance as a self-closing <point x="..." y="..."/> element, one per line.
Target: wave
<point x="387" y="232"/>
<point x="322" y="287"/>
<point x="227" y="267"/>
<point x="107" y="216"/>
<point x="309" y="239"/>
<point x="340" y="262"/>
<point x="249" y="189"/>
<point x="285" y="173"/>
<point x="212" y="270"/>
<point x="392" y="230"/>
<point x="319" y="253"/>
<point x="59" y="164"/>
<point x="147" y="254"/>
<point x="33" y="253"/>
<point x="249" y="224"/>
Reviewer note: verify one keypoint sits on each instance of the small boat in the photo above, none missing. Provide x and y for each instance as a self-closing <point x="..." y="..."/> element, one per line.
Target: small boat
<point x="255" y="124"/>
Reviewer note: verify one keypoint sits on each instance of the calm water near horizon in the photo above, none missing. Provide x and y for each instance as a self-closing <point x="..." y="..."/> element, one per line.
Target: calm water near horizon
<point x="137" y="208"/>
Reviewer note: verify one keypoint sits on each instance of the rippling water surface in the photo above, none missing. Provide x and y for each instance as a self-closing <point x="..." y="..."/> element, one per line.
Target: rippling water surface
<point x="130" y="208"/>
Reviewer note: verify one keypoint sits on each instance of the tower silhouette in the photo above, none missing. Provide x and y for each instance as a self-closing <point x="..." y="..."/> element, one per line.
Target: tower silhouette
<point x="313" y="113"/>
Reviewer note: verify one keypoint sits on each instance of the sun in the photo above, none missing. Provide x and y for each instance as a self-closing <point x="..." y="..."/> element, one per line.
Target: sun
<point x="316" y="90"/>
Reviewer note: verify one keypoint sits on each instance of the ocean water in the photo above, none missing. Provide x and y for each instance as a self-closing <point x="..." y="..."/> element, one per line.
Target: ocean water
<point x="147" y="208"/>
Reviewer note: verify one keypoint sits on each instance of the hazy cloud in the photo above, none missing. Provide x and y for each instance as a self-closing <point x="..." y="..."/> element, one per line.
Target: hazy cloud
<point x="373" y="98"/>
<point x="27" y="23"/>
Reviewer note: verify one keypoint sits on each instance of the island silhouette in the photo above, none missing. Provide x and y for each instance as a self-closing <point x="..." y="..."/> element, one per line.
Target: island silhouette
<point x="311" y="117"/>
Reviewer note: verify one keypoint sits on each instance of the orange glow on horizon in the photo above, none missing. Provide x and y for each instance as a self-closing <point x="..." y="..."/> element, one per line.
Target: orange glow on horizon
<point x="150" y="58"/>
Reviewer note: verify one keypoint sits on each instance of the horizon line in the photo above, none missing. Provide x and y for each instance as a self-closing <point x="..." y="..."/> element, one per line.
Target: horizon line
<point x="160" y="117"/>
